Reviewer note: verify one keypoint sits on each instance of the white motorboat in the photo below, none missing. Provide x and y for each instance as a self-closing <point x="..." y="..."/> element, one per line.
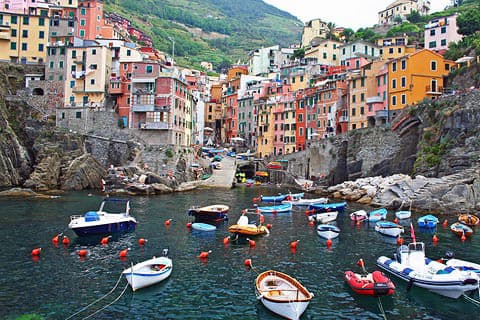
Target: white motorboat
<point x="149" y="272"/>
<point x="411" y="265"/>
<point x="282" y="294"/>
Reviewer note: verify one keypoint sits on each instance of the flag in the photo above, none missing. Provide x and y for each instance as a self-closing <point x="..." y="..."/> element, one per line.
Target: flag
<point x="412" y="232"/>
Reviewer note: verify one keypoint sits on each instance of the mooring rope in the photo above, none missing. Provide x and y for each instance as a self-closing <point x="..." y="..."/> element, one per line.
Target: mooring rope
<point x="380" y="306"/>
<point x="98" y="300"/>
<point x="108" y="305"/>
<point x="472" y="300"/>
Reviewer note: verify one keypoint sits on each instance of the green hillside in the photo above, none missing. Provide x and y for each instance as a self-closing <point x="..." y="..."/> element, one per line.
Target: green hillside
<point x="219" y="31"/>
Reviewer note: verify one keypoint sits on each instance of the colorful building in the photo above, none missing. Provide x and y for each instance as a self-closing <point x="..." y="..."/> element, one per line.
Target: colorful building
<point x="377" y="97"/>
<point x="440" y="32"/>
<point x="355" y="54"/>
<point x="394" y="47"/>
<point x="312" y="29"/>
<point x="326" y="52"/>
<point x="415" y="77"/>
<point x="402" y="8"/>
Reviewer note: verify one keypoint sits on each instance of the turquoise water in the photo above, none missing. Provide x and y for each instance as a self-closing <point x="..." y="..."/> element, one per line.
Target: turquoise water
<point x="60" y="283"/>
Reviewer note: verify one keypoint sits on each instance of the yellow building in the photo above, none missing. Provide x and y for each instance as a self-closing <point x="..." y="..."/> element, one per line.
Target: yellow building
<point x="289" y="126"/>
<point x="23" y="38"/>
<point x="88" y="74"/>
<point x="358" y="100"/>
<point x="416" y="77"/>
<point x="315" y="28"/>
<point x="325" y="51"/>
<point x="394" y="47"/>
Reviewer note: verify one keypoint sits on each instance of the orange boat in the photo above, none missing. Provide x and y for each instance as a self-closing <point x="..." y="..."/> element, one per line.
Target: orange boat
<point x="469" y="219"/>
<point x="244" y="227"/>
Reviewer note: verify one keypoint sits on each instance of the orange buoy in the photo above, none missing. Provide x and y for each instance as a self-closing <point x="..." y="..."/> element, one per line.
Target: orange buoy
<point x="56" y="238"/>
<point x="167" y="222"/>
<point x="204" y="254"/>
<point x="311" y="223"/>
<point x="226" y="240"/>
<point x="399" y="241"/>
<point x="463" y="238"/>
<point x="435" y="238"/>
<point x="248" y="263"/>
<point x="293" y="244"/>
<point x="359" y="222"/>
<point x="269" y="226"/>
<point x="329" y="243"/>
<point x="66" y="241"/>
<point x="36" y="251"/>
<point x="123" y="253"/>
<point x="189" y="225"/>
<point x="395" y="220"/>
<point x="142" y="241"/>
<point x="251" y="243"/>
<point x="82" y="253"/>
<point x="445" y="223"/>
<point x="104" y="240"/>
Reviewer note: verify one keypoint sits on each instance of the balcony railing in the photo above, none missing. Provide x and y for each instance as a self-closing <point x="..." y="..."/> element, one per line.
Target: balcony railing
<point x="434" y="90"/>
<point x="381" y="114"/>
<point x="154" y="126"/>
<point x="375" y="99"/>
<point x="143" y="108"/>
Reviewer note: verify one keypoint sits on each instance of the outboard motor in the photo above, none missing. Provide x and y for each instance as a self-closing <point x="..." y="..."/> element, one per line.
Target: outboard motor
<point x="165" y="252"/>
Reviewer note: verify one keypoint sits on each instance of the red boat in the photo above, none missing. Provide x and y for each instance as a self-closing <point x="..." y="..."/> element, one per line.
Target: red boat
<point x="373" y="284"/>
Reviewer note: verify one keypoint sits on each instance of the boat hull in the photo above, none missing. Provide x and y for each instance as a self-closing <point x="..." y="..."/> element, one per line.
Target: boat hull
<point x="248" y="230"/>
<point x="375" y="284"/>
<point x="104" y="228"/>
<point x="461" y="229"/>
<point x="276" y="209"/>
<point x="324" y="217"/>
<point x="203" y="227"/>
<point x="323" y="207"/>
<point x="389" y="229"/>
<point x="403" y="214"/>
<point x="445" y="285"/>
<point x="328" y="231"/>
<point x="360" y="215"/>
<point x="144" y="274"/>
<point x="215" y="213"/>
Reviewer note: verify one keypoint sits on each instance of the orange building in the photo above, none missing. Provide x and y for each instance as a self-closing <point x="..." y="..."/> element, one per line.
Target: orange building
<point x="415" y="77"/>
<point x="91" y="23"/>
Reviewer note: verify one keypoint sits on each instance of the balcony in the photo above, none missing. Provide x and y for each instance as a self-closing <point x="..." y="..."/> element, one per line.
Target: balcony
<point x="435" y="90"/>
<point x="154" y="126"/>
<point x="374" y="99"/>
<point x="162" y="108"/>
<point x="143" y="108"/>
<point x="115" y="87"/>
<point x="343" y="119"/>
<point x="381" y="114"/>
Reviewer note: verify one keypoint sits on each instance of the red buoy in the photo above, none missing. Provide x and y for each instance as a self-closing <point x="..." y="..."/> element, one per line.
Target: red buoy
<point x="274" y="211"/>
<point x="269" y="226"/>
<point x="248" y="263"/>
<point x="311" y="223"/>
<point x="142" y="241"/>
<point x="204" y="254"/>
<point x="329" y="243"/>
<point x="66" y="241"/>
<point x="251" y="243"/>
<point x="56" y="238"/>
<point x="36" y="251"/>
<point x="189" y="225"/>
<point x="82" y="253"/>
<point x="167" y="222"/>
<point x="104" y="240"/>
<point x="395" y="220"/>
<point x="399" y="241"/>
<point x="123" y="253"/>
<point x="445" y="223"/>
<point x="435" y="238"/>
<point x="226" y="240"/>
<point x="463" y="238"/>
<point x="293" y="244"/>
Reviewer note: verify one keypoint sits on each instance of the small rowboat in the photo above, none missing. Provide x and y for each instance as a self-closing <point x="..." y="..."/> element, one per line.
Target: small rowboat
<point x="403" y="214"/>
<point x="328" y="231"/>
<point x="214" y="213"/>
<point x="377" y="215"/>
<point x="373" y="284"/>
<point x="149" y="272"/>
<point x="469" y="219"/>
<point x="389" y="228"/>
<point x="279" y="198"/>
<point x="427" y="221"/>
<point x="282" y="294"/>
<point x="461" y="229"/>
<point x="323" y="207"/>
<point x="287" y="207"/>
<point x="244" y="227"/>
<point x="359" y="215"/>
<point x="305" y="202"/>
<point x="203" y="226"/>
<point x="323" y="217"/>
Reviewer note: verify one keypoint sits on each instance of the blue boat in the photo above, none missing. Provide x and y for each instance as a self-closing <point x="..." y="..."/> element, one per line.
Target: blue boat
<point x="287" y="207"/>
<point x="323" y="207"/>
<point x="427" y="221"/>
<point x="389" y="228"/>
<point x="279" y="198"/>
<point x="102" y="222"/>
<point x="203" y="226"/>
<point x="377" y="215"/>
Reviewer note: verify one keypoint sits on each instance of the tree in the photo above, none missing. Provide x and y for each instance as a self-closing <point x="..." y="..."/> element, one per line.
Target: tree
<point x="414" y="17"/>
<point x="348" y="34"/>
<point x="331" y="29"/>
<point x="299" y="53"/>
<point x="469" y="22"/>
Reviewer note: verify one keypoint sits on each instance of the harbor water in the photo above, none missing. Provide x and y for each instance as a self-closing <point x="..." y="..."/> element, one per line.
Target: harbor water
<point x="59" y="283"/>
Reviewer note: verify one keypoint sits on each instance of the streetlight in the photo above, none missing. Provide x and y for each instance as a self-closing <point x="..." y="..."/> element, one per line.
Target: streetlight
<point x="173" y="49"/>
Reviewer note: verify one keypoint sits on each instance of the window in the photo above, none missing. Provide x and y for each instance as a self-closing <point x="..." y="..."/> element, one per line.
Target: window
<point x="354" y="47"/>
<point x="378" y="81"/>
<point x="92" y="81"/>
<point x="404" y="82"/>
<point x="93" y="66"/>
<point x="73" y="68"/>
<point x="41" y="34"/>
<point x="334" y="57"/>
<point x="78" y="115"/>
<point x="13" y="45"/>
<point x="41" y="21"/>
<point x="324" y="55"/>
<point x="82" y="33"/>
<point x="362" y="110"/>
<point x="443" y="42"/>
<point x="301" y="78"/>
<point x="13" y="32"/>
<point x="399" y="50"/>
<point x="125" y="66"/>
<point x="362" y="97"/>
<point x="51" y="64"/>
<point x="394" y="83"/>
<point x="390" y="50"/>
<point x="149" y="69"/>
<point x="129" y="53"/>
<point x="394" y="100"/>
<point x="433" y="65"/>
<point x="26" y="20"/>
<point x="354" y="98"/>
<point x="394" y="66"/>
<point x="60" y="64"/>
<point x="60" y="78"/>
<point x="83" y="11"/>
<point x="432" y="32"/>
<point x="24" y="33"/>
<point x="432" y="44"/>
<point x="300" y="118"/>
<point x="24" y="46"/>
<point x="447" y="66"/>
<point x="94" y="51"/>
<point x="404" y="99"/>
<point x="83" y="22"/>
<point x="40" y="47"/>
<point x="72" y="83"/>
<point x="362" y="82"/>
<point x="13" y="19"/>
<point x="443" y="30"/>
<point x="354" y="112"/>
<point x="343" y="51"/>
<point x="404" y="64"/>
<point x="354" y="84"/>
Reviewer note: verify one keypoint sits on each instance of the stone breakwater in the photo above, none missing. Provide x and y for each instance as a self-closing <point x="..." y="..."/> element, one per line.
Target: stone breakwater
<point x="457" y="193"/>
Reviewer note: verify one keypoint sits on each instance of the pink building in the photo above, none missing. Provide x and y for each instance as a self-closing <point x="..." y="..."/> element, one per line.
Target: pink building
<point x="31" y="7"/>
<point x="90" y="19"/>
<point x="278" y="122"/>
<point x="377" y="104"/>
<point x="440" y="32"/>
